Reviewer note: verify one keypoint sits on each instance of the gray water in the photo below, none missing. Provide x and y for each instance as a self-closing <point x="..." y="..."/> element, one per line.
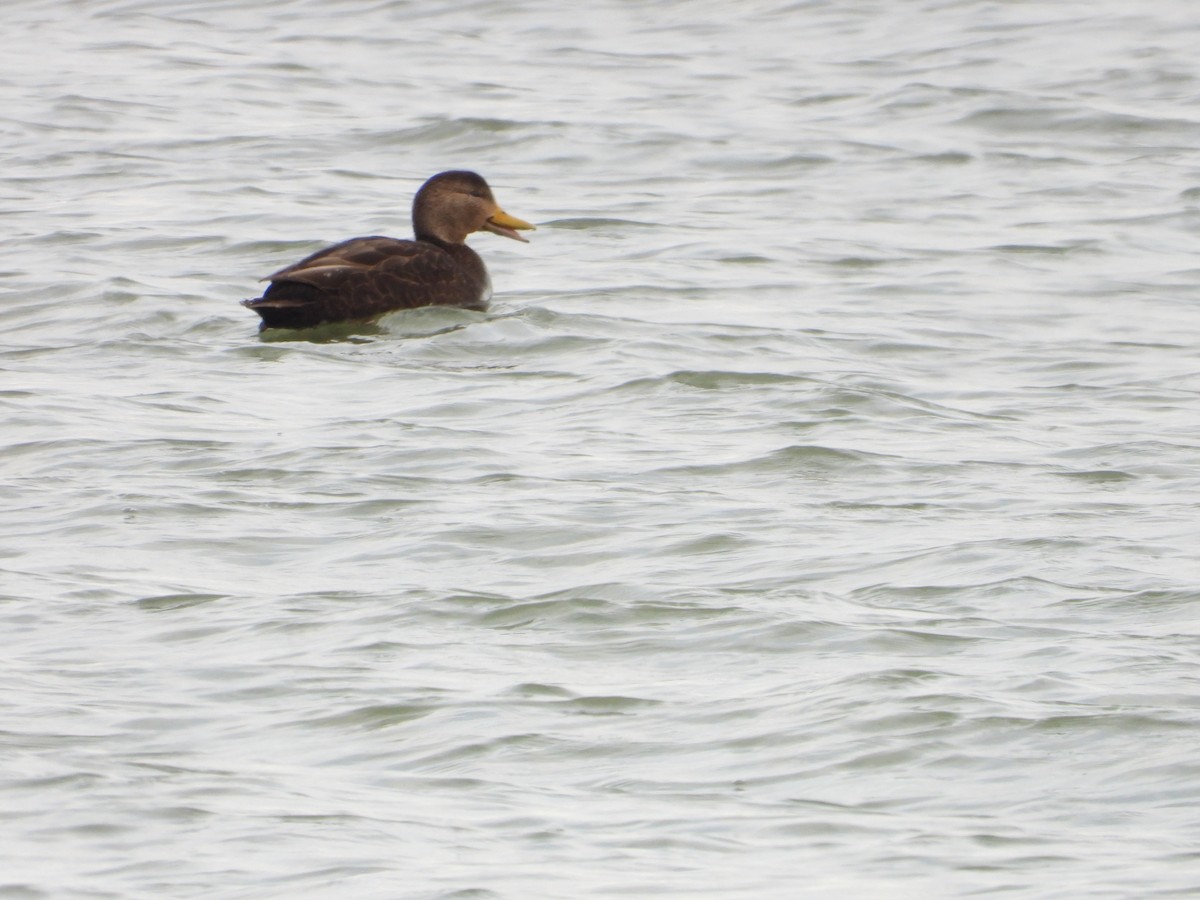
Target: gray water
<point x="813" y="514"/>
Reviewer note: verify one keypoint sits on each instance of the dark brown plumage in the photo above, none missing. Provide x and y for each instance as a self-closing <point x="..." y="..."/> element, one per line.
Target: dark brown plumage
<point x="363" y="278"/>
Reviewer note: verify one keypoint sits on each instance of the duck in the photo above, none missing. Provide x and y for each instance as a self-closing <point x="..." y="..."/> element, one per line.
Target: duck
<point x="363" y="278"/>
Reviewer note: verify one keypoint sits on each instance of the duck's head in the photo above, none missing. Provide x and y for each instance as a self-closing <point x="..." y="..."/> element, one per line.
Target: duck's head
<point x="451" y="205"/>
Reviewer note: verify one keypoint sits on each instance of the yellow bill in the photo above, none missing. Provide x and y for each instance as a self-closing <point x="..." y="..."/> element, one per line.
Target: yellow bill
<point x="503" y="224"/>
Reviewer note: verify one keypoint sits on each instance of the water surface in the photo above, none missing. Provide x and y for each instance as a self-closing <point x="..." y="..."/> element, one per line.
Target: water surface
<point x="813" y="512"/>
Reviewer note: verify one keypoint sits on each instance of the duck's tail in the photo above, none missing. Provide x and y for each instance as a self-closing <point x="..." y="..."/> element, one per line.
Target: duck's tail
<point x="287" y="304"/>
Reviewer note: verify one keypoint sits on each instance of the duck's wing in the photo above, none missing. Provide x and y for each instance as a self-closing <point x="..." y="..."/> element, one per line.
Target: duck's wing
<point x="366" y="277"/>
<point x="356" y="253"/>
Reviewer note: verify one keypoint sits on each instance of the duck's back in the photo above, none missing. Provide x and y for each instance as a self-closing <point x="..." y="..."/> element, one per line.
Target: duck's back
<point x="366" y="277"/>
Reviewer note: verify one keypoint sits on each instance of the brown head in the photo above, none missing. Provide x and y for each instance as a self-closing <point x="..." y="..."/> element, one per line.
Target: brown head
<point x="451" y="205"/>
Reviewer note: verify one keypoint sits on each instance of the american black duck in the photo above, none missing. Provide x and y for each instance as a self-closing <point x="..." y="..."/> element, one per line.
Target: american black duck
<point x="365" y="277"/>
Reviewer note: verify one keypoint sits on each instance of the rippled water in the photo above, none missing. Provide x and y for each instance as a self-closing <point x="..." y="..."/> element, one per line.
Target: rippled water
<point x="813" y="514"/>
